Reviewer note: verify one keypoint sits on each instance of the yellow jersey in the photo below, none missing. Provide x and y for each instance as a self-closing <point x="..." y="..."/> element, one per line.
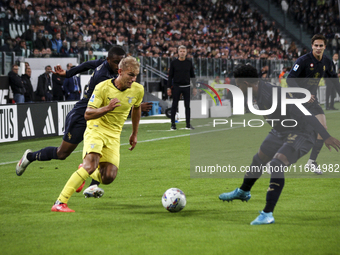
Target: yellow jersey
<point x="112" y="122"/>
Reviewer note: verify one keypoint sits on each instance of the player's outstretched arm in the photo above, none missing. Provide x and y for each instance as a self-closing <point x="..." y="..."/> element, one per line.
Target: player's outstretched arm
<point x="78" y="69"/>
<point x="331" y="141"/>
<point x="93" y="113"/>
<point x="135" y="117"/>
<point x="59" y="71"/>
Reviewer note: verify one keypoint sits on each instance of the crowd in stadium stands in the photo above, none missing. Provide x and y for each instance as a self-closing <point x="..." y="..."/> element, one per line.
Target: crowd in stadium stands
<point x="223" y="29"/>
<point x="317" y="16"/>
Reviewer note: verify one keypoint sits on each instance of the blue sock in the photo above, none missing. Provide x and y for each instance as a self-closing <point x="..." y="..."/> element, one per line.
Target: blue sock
<point x="45" y="154"/>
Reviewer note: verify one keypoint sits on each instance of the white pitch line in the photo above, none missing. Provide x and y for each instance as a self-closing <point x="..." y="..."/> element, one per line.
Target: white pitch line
<point x="165" y="138"/>
<point x="149" y="140"/>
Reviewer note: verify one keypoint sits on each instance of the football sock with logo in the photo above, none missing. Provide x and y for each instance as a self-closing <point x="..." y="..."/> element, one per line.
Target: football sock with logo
<point x="76" y="179"/>
<point x="94" y="182"/>
<point x="316" y="149"/>
<point x="277" y="181"/>
<point x="45" y="154"/>
<point x="254" y="173"/>
<point x="96" y="177"/>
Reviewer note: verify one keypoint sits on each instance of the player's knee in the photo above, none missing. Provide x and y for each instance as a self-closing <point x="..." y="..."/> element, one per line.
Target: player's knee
<point x="108" y="173"/>
<point x="261" y="158"/>
<point x="109" y="177"/>
<point x="282" y="158"/>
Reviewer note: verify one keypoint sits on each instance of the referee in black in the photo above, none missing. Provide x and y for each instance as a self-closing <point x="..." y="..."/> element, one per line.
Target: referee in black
<point x="181" y="70"/>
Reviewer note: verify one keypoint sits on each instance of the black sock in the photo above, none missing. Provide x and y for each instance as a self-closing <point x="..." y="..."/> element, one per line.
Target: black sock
<point x="316" y="149"/>
<point x="277" y="181"/>
<point x="255" y="172"/>
<point x="45" y="154"/>
<point x="94" y="182"/>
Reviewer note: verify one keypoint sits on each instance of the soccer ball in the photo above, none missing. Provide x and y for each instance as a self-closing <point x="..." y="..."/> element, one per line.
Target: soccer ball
<point x="174" y="200"/>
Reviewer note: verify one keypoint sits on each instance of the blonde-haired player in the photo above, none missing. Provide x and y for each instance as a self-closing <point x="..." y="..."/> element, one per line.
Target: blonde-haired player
<point x="106" y="113"/>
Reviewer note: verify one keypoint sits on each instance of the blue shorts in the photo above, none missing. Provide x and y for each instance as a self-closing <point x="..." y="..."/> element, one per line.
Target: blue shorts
<point x="75" y="125"/>
<point x="292" y="143"/>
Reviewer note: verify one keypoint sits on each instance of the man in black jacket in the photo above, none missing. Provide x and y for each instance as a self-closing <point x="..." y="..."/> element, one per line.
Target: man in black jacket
<point x="17" y="85"/>
<point x="181" y="70"/>
<point x="26" y="79"/>
<point x="49" y="86"/>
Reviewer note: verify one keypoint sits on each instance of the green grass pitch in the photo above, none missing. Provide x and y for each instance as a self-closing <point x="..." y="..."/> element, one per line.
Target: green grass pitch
<point x="130" y="218"/>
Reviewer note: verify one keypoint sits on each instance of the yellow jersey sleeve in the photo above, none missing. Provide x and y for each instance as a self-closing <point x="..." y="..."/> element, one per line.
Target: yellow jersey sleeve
<point x="140" y="92"/>
<point x="98" y="96"/>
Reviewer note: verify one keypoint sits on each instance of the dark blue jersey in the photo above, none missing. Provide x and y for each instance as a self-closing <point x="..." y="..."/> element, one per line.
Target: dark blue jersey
<point x="101" y="73"/>
<point x="308" y="71"/>
<point x="305" y="123"/>
<point x="84" y="67"/>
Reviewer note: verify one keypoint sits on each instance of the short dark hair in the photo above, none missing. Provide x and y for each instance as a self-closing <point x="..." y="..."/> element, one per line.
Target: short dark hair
<point x="116" y="50"/>
<point x="246" y="73"/>
<point x="319" y="37"/>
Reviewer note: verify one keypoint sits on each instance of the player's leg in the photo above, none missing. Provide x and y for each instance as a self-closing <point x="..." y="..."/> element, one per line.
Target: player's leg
<point x="275" y="188"/>
<point x="286" y="155"/>
<point x="175" y="99"/>
<point x="186" y="96"/>
<point x="75" y="126"/>
<point x="90" y="164"/>
<point x="45" y="154"/>
<point x="311" y="163"/>
<point x="266" y="152"/>
<point x="108" y="172"/>
<point x="108" y="168"/>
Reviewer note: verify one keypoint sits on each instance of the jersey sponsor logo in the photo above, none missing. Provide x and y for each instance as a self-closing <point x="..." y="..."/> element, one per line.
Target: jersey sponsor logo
<point x="49" y="123"/>
<point x="92" y="98"/>
<point x="296" y="67"/>
<point x="130" y="99"/>
<point x="100" y="67"/>
<point x="28" y="129"/>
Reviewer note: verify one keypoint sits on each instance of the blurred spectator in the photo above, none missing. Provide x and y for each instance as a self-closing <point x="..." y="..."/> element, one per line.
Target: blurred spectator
<point x="46" y="53"/>
<point x="91" y="56"/>
<point x="64" y="52"/>
<point x="36" y="53"/>
<point x="72" y="86"/>
<point x="264" y="72"/>
<point x="40" y="42"/>
<point x="57" y="43"/>
<point x="17" y="85"/>
<point x="49" y="86"/>
<point x="30" y="34"/>
<point x="284" y="70"/>
<point x="26" y="79"/>
<point x="8" y="45"/>
<point x="21" y="48"/>
<point x="74" y="49"/>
